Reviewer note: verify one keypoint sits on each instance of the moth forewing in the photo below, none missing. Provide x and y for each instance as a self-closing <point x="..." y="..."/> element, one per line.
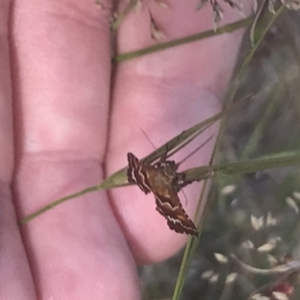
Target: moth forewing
<point x="136" y="173"/>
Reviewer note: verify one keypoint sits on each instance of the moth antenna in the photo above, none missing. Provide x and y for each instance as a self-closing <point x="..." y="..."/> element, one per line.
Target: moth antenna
<point x="164" y="156"/>
<point x="195" y="150"/>
<point x="147" y="138"/>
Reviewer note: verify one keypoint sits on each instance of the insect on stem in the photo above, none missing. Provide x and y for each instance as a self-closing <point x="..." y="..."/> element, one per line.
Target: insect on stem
<point x="162" y="179"/>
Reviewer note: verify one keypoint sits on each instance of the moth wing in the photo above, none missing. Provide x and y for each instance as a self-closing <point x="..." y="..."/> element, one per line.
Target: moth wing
<point x="170" y="207"/>
<point x="136" y="173"/>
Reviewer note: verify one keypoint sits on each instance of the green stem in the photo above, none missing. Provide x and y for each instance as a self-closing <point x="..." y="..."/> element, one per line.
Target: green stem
<point x="188" y="39"/>
<point x="57" y="202"/>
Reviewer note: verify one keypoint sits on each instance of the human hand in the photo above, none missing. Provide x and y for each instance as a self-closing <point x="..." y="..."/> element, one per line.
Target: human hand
<point x="68" y="121"/>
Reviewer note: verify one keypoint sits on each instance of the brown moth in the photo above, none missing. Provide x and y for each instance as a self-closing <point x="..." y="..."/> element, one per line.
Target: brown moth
<point x="164" y="182"/>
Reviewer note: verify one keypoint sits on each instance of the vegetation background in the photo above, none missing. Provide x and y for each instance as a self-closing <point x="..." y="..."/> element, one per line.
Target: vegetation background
<point x="254" y="216"/>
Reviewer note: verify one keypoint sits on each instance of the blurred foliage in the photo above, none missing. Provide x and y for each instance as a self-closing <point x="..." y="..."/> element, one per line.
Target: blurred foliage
<point x="254" y="216"/>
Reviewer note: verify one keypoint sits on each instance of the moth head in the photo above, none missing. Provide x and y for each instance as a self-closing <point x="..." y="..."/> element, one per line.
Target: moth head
<point x="169" y="168"/>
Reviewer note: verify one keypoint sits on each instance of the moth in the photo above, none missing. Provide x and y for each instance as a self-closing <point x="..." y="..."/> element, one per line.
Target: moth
<point x="164" y="182"/>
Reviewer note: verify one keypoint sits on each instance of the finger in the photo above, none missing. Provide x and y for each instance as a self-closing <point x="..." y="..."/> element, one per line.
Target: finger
<point x="164" y="93"/>
<point x="15" y="279"/>
<point x="62" y="78"/>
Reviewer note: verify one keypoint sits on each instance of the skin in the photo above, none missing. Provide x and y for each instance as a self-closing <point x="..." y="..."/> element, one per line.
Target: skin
<point x="68" y="121"/>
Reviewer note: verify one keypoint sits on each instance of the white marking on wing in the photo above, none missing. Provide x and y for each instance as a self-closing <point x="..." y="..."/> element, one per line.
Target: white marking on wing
<point x="173" y="208"/>
<point x="143" y="184"/>
<point x="176" y="221"/>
